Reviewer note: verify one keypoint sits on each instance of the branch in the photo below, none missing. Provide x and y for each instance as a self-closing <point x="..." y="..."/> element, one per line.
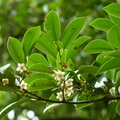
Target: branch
<point x="71" y="102"/>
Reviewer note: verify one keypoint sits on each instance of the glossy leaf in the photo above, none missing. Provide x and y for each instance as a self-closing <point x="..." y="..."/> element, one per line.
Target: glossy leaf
<point x="115" y="53"/>
<point x="73" y="47"/>
<point x="16" y="50"/>
<point x="41" y="84"/>
<point x="114" y="36"/>
<point x="39" y="67"/>
<point x="36" y="58"/>
<point x="72" y="31"/>
<point x="113" y="63"/>
<point x="33" y="77"/>
<point x="52" y="25"/>
<point x="113" y="9"/>
<point x="8" y="88"/>
<point x="117" y="82"/>
<point x="30" y="38"/>
<point x="115" y="19"/>
<point x="102" y="24"/>
<point x="47" y="45"/>
<point x="111" y="109"/>
<point x="5" y="67"/>
<point x="11" y="107"/>
<point x="97" y="46"/>
<point x="52" y="61"/>
<point x="102" y="58"/>
<point x="88" y="69"/>
<point x="82" y="98"/>
<point x="51" y="106"/>
<point x="118" y="108"/>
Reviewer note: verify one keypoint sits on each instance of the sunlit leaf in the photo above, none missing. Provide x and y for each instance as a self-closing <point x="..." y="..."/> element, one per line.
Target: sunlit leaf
<point x="113" y="9"/>
<point x="102" y="24"/>
<point x="72" y="31"/>
<point x="115" y="53"/>
<point x="16" y="50"/>
<point x="97" y="46"/>
<point x="88" y="69"/>
<point x="51" y="106"/>
<point x="2" y="69"/>
<point x="116" y="20"/>
<point x="47" y="45"/>
<point x="73" y="47"/>
<point x="52" y="25"/>
<point x="113" y="63"/>
<point x="39" y="67"/>
<point x="114" y="35"/>
<point x="33" y="77"/>
<point x="41" y="84"/>
<point x="36" y="58"/>
<point x="30" y="38"/>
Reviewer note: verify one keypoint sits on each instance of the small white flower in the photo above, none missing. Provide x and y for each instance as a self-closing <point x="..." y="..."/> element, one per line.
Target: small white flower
<point x="21" y="67"/>
<point x="5" y="81"/>
<point x="69" y="82"/>
<point x="58" y="75"/>
<point x="69" y="91"/>
<point x="23" y="85"/>
<point x="60" y="96"/>
<point x="112" y="91"/>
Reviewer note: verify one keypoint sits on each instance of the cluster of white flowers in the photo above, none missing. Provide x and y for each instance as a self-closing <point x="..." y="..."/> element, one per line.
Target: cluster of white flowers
<point x="64" y="84"/>
<point x="5" y="81"/>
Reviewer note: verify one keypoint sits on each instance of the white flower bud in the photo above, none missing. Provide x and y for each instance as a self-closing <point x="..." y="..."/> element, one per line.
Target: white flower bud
<point x="5" y="81"/>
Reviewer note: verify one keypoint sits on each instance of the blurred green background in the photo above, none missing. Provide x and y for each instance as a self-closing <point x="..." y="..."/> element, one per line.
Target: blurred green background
<point x="16" y="17"/>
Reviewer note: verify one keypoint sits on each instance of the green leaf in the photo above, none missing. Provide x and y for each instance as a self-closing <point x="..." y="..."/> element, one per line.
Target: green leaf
<point x="98" y="46"/>
<point x="111" y="109"/>
<point x="9" y="88"/>
<point x="102" y="58"/>
<point x="82" y="98"/>
<point x="70" y="65"/>
<point x="114" y="35"/>
<point x="52" y="61"/>
<point x="11" y="107"/>
<point x="51" y="106"/>
<point x="118" y="108"/>
<point x="5" y="67"/>
<point x="116" y="20"/>
<point x="41" y="84"/>
<point x="16" y="50"/>
<point x="36" y="58"/>
<point x="72" y="31"/>
<point x="117" y="84"/>
<point x="115" y="53"/>
<point x="47" y="45"/>
<point x="39" y="67"/>
<point x="113" y="9"/>
<point x="52" y="25"/>
<point x="88" y="69"/>
<point x="30" y="38"/>
<point x="33" y="77"/>
<point x="113" y="63"/>
<point x="73" y="47"/>
<point x="102" y="24"/>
